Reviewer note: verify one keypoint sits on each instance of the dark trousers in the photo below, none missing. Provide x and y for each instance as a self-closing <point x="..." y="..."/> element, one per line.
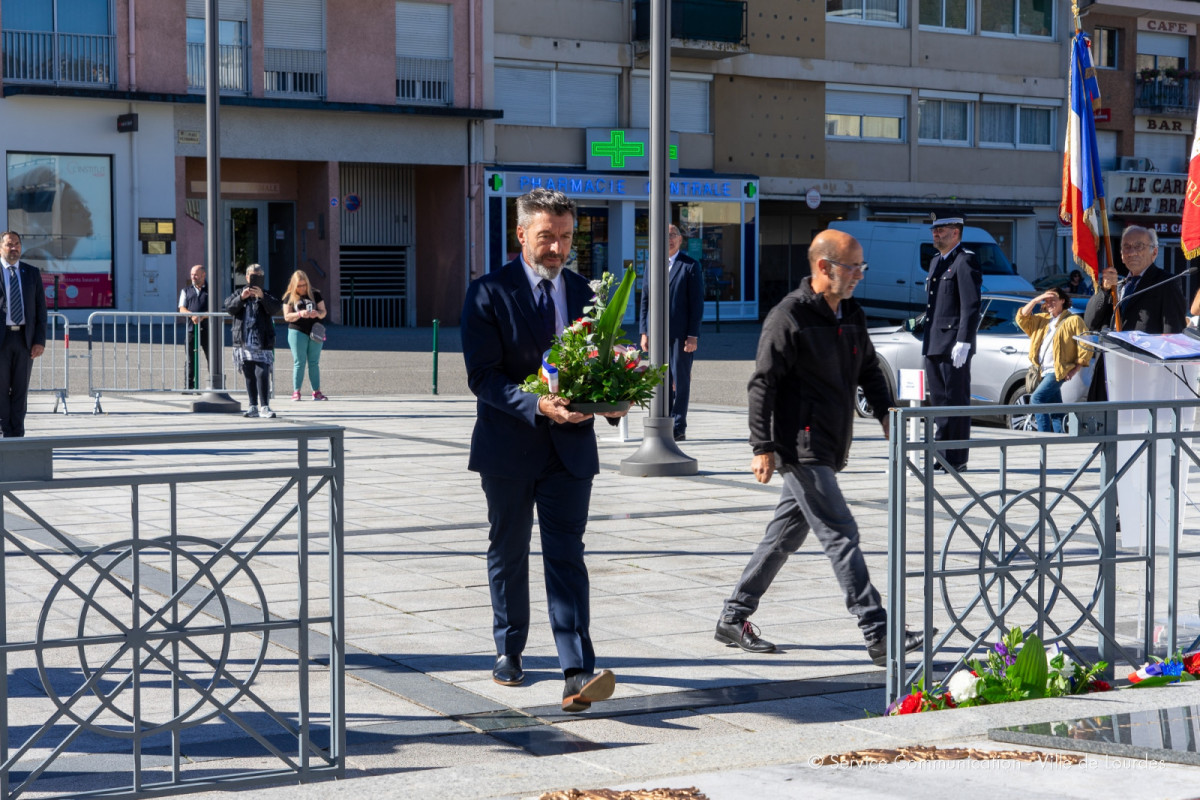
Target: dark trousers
<point x="16" y="367"/>
<point x="190" y="348"/>
<point x="258" y="382"/>
<point x="811" y="500"/>
<point x="950" y="386"/>
<point x="681" y="384"/>
<point x="562" y="501"/>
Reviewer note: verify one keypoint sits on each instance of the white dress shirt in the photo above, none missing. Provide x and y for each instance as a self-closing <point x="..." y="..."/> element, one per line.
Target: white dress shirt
<point x="558" y="293"/>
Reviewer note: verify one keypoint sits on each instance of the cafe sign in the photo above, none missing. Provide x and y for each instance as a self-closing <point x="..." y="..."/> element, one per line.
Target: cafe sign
<point x="1145" y="193"/>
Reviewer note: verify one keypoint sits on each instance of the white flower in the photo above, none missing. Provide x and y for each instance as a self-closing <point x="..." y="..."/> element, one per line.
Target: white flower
<point x="1068" y="666"/>
<point x="963" y="686"/>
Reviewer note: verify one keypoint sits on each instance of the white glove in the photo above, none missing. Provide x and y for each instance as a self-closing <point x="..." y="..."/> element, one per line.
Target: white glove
<point x="958" y="356"/>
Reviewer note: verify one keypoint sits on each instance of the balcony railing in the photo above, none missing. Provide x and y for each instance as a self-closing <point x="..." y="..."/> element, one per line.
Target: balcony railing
<point x="294" y="73"/>
<point x="698" y="20"/>
<point x="231" y="68"/>
<point x="425" y="81"/>
<point x="59" y="58"/>
<point x="1168" y="94"/>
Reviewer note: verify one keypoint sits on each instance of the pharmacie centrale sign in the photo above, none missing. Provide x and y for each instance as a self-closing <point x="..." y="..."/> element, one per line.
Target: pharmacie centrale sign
<point x="625" y="150"/>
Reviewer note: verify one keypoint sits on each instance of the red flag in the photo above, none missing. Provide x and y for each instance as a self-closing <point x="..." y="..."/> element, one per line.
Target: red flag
<point x="1190" y="239"/>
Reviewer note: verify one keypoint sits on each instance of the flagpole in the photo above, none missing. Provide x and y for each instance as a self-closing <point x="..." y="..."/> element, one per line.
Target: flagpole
<point x="1108" y="256"/>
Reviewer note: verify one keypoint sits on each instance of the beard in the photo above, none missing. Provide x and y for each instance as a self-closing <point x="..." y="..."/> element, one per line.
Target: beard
<point x="542" y="270"/>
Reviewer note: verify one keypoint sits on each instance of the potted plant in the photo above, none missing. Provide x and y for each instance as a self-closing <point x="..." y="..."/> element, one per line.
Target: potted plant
<point x="1148" y="74"/>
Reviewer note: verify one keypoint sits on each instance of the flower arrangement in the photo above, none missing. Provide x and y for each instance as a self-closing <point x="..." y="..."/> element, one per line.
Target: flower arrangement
<point x="591" y="362"/>
<point x="1016" y="668"/>
<point x="1177" y="669"/>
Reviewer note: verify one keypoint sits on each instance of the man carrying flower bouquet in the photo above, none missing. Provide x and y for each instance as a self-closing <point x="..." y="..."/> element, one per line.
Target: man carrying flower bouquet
<point x="813" y="352"/>
<point x="531" y="450"/>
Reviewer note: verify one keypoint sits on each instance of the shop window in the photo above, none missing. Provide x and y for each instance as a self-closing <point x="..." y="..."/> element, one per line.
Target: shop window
<point x="1018" y="17"/>
<point x="952" y="15"/>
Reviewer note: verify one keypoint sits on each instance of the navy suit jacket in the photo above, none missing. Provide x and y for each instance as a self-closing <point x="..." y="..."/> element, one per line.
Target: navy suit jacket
<point x="501" y="346"/>
<point x="33" y="295"/>
<point x="686" y="300"/>
<point x="952" y="305"/>
<point x="1160" y="311"/>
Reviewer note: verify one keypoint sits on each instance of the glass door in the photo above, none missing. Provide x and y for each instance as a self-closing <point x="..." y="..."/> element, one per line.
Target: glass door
<point x="246" y="236"/>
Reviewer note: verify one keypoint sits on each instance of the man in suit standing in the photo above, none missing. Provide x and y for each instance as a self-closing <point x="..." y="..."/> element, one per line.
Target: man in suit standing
<point x="685" y="310"/>
<point x="533" y="451"/>
<point x="24" y="340"/>
<point x="193" y="300"/>
<point x="1159" y="311"/>
<point x="952" y="310"/>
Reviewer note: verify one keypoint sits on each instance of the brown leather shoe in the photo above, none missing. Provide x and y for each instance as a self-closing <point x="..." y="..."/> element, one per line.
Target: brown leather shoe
<point x="583" y="689"/>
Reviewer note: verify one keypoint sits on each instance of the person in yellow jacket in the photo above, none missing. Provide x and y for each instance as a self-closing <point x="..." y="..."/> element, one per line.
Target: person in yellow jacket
<point x="1052" y="346"/>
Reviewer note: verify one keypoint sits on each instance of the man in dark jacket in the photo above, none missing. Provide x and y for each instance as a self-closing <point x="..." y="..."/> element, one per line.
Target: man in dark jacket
<point x="1159" y="311"/>
<point x="813" y="352"/>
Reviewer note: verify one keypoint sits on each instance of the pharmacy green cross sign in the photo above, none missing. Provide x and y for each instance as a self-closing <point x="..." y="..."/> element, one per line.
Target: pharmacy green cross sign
<point x="625" y="150"/>
<point x="616" y="149"/>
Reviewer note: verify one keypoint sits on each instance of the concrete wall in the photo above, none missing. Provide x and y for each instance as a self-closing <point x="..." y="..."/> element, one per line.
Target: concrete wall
<point x="360" y="40"/>
<point x="769" y="127"/>
<point x="596" y="20"/>
<point x="792" y="28"/>
<point x="526" y="144"/>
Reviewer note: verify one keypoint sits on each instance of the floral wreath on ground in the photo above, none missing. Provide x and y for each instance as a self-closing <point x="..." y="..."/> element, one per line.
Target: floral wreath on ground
<point x="1016" y="668"/>
<point x="591" y="361"/>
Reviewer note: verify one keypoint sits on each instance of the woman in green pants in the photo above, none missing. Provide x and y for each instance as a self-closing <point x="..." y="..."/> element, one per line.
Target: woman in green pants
<point x="303" y="306"/>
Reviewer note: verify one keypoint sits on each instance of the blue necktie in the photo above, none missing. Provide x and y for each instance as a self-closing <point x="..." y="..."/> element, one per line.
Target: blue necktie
<point x="546" y="310"/>
<point x="16" y="306"/>
<point x="1128" y="288"/>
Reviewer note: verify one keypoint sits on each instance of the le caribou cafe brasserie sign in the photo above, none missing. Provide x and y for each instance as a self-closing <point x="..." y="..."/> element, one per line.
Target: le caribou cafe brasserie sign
<point x="1145" y="193"/>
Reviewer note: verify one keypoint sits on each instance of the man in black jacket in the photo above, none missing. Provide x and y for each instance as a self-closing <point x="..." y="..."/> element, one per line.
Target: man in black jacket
<point x="1160" y="311"/>
<point x="813" y="352"/>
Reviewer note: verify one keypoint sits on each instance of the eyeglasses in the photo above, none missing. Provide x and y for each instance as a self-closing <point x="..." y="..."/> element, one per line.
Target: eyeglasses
<point x="1135" y="248"/>
<point x="849" y="267"/>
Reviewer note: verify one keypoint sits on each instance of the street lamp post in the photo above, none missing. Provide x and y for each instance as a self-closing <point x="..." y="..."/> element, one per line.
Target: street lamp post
<point x="658" y="455"/>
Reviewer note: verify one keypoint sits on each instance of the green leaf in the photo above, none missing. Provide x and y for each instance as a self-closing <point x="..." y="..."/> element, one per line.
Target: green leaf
<point x="610" y="321"/>
<point x="1154" y="680"/>
<point x="1029" y="672"/>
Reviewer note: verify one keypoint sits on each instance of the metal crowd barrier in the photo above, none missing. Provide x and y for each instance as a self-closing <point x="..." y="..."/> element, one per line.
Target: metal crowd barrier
<point x="132" y="353"/>
<point x="51" y="370"/>
<point x="152" y="635"/>
<point x="1030" y="537"/>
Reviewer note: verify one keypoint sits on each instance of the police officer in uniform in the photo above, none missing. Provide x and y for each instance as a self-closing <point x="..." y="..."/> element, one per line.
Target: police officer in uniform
<point x="952" y="309"/>
<point x="193" y="300"/>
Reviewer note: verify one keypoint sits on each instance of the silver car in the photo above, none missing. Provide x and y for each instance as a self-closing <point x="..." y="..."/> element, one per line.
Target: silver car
<point x="998" y="367"/>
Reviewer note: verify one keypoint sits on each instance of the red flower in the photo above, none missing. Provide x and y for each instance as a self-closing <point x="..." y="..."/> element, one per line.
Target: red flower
<point x="1099" y="686"/>
<point x="912" y="704"/>
<point x="1191" y="663"/>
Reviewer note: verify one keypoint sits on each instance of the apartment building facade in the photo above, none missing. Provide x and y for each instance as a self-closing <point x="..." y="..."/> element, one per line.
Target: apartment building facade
<point x="350" y="142"/>
<point x="1148" y="67"/>
<point x="787" y="115"/>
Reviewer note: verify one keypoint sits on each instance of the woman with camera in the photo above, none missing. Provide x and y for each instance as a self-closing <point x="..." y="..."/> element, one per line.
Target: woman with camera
<point x="1053" y="350"/>
<point x="254" y="339"/>
<point x="304" y="308"/>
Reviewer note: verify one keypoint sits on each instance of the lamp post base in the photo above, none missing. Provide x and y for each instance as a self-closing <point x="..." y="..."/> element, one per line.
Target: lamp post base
<point x="659" y="456"/>
<point x="216" y="402"/>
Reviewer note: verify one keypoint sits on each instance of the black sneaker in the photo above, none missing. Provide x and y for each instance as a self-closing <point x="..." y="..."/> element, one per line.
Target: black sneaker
<point x="743" y="634"/>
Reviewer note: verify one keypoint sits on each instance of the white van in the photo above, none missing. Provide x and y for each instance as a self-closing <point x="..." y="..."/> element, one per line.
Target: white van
<point x="898" y="254"/>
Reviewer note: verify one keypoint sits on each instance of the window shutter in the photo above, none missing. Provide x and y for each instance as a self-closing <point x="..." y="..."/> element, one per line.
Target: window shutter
<point x="689" y="104"/>
<point x="294" y="24"/>
<point x="524" y="95"/>
<point x="866" y="104"/>
<point x="423" y="30"/>
<point x="232" y="10"/>
<point x="585" y="99"/>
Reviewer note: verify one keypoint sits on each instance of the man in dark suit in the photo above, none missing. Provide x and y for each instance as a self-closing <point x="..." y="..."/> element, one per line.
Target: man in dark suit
<point x="1159" y="311"/>
<point x="532" y="450"/>
<point x="952" y="309"/>
<point x="685" y="310"/>
<point x="24" y="300"/>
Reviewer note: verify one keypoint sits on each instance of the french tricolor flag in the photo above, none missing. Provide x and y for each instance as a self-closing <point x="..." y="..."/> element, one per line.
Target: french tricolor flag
<point x="1082" y="186"/>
